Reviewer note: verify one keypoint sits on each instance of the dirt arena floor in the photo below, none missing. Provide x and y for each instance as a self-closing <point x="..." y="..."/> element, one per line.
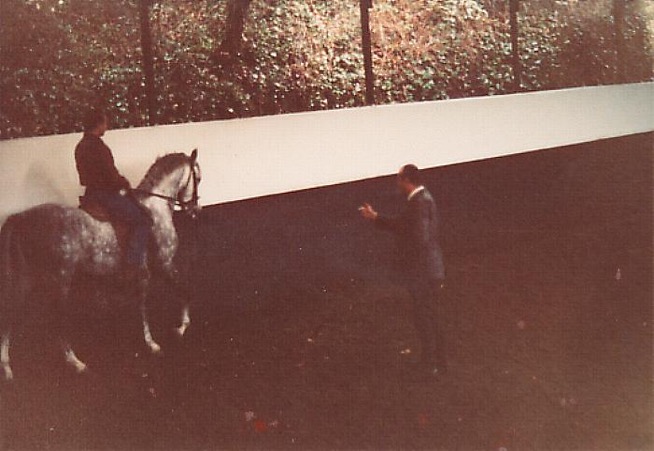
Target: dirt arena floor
<point x="301" y="338"/>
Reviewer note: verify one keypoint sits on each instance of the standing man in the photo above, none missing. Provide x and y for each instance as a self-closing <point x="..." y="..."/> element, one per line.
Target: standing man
<point x="106" y="186"/>
<point x="421" y="260"/>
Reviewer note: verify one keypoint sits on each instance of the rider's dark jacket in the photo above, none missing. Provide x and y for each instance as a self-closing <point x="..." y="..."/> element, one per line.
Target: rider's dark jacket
<point x="96" y="167"/>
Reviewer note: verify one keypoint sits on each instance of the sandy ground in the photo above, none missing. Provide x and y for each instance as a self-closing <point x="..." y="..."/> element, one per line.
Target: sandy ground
<point x="301" y="338"/>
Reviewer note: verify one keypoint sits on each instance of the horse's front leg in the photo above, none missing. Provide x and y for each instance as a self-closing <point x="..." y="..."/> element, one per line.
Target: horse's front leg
<point x="182" y="290"/>
<point x="186" y="321"/>
<point x="147" y="334"/>
<point x="71" y="358"/>
<point x="4" y="356"/>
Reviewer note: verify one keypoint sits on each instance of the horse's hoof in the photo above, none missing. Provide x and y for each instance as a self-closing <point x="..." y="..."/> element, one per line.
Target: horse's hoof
<point x="155" y="348"/>
<point x="9" y="375"/>
<point x="181" y="330"/>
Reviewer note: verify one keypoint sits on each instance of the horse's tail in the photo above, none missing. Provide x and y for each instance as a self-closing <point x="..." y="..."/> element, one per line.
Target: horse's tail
<point x="13" y="277"/>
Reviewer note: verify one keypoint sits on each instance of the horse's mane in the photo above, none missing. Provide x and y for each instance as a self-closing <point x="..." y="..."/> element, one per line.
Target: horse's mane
<point x="161" y="168"/>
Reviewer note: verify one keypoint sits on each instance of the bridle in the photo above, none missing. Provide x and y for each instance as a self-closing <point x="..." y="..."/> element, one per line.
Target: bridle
<point x="189" y="206"/>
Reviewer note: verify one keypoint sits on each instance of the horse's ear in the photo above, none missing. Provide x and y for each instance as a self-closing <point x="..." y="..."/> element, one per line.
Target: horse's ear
<point x="194" y="155"/>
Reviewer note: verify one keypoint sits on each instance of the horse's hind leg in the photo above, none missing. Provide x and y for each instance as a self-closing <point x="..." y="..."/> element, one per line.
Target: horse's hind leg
<point x="4" y="356"/>
<point x="63" y="320"/>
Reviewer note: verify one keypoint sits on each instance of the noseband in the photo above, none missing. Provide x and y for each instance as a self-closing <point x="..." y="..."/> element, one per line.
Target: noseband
<point x="193" y="202"/>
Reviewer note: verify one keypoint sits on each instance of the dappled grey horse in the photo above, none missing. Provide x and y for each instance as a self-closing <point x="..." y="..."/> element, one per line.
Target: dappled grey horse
<point x="53" y="244"/>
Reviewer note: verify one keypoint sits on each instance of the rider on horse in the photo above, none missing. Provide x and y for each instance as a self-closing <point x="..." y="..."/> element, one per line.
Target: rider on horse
<point x="107" y="187"/>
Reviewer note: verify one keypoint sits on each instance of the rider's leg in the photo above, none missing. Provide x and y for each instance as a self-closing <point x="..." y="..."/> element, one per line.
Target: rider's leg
<point x="125" y="209"/>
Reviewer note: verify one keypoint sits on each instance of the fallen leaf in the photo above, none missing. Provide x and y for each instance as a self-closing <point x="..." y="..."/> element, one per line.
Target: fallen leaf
<point x="260" y="426"/>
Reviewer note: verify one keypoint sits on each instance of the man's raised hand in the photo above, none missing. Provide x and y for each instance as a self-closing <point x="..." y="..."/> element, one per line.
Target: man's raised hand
<point x="368" y="212"/>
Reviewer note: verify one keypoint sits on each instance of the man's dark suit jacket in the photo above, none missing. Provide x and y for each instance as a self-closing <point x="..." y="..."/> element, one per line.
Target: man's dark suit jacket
<point x="417" y="232"/>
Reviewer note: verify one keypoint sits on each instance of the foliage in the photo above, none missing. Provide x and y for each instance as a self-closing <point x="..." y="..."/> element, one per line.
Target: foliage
<point x="574" y="45"/>
<point x="57" y="57"/>
<point x="442" y="48"/>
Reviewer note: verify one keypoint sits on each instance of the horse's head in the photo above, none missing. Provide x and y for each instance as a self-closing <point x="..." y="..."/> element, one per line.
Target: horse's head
<point x="174" y="178"/>
<point x="188" y="197"/>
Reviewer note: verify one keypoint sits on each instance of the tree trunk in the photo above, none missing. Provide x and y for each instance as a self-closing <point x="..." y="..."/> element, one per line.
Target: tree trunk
<point x="237" y="11"/>
<point x="148" y="61"/>
<point x="618" y="19"/>
<point x="367" y="50"/>
<point x="515" y="49"/>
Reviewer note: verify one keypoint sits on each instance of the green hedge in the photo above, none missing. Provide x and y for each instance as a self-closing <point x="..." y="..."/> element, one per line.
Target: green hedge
<point x="57" y="57"/>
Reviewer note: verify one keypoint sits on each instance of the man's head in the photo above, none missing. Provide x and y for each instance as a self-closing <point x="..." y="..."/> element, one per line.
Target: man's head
<point x="95" y="122"/>
<point x="409" y="178"/>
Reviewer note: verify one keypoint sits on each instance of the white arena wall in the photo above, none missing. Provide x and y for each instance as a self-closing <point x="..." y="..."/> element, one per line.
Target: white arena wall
<point x="248" y="158"/>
